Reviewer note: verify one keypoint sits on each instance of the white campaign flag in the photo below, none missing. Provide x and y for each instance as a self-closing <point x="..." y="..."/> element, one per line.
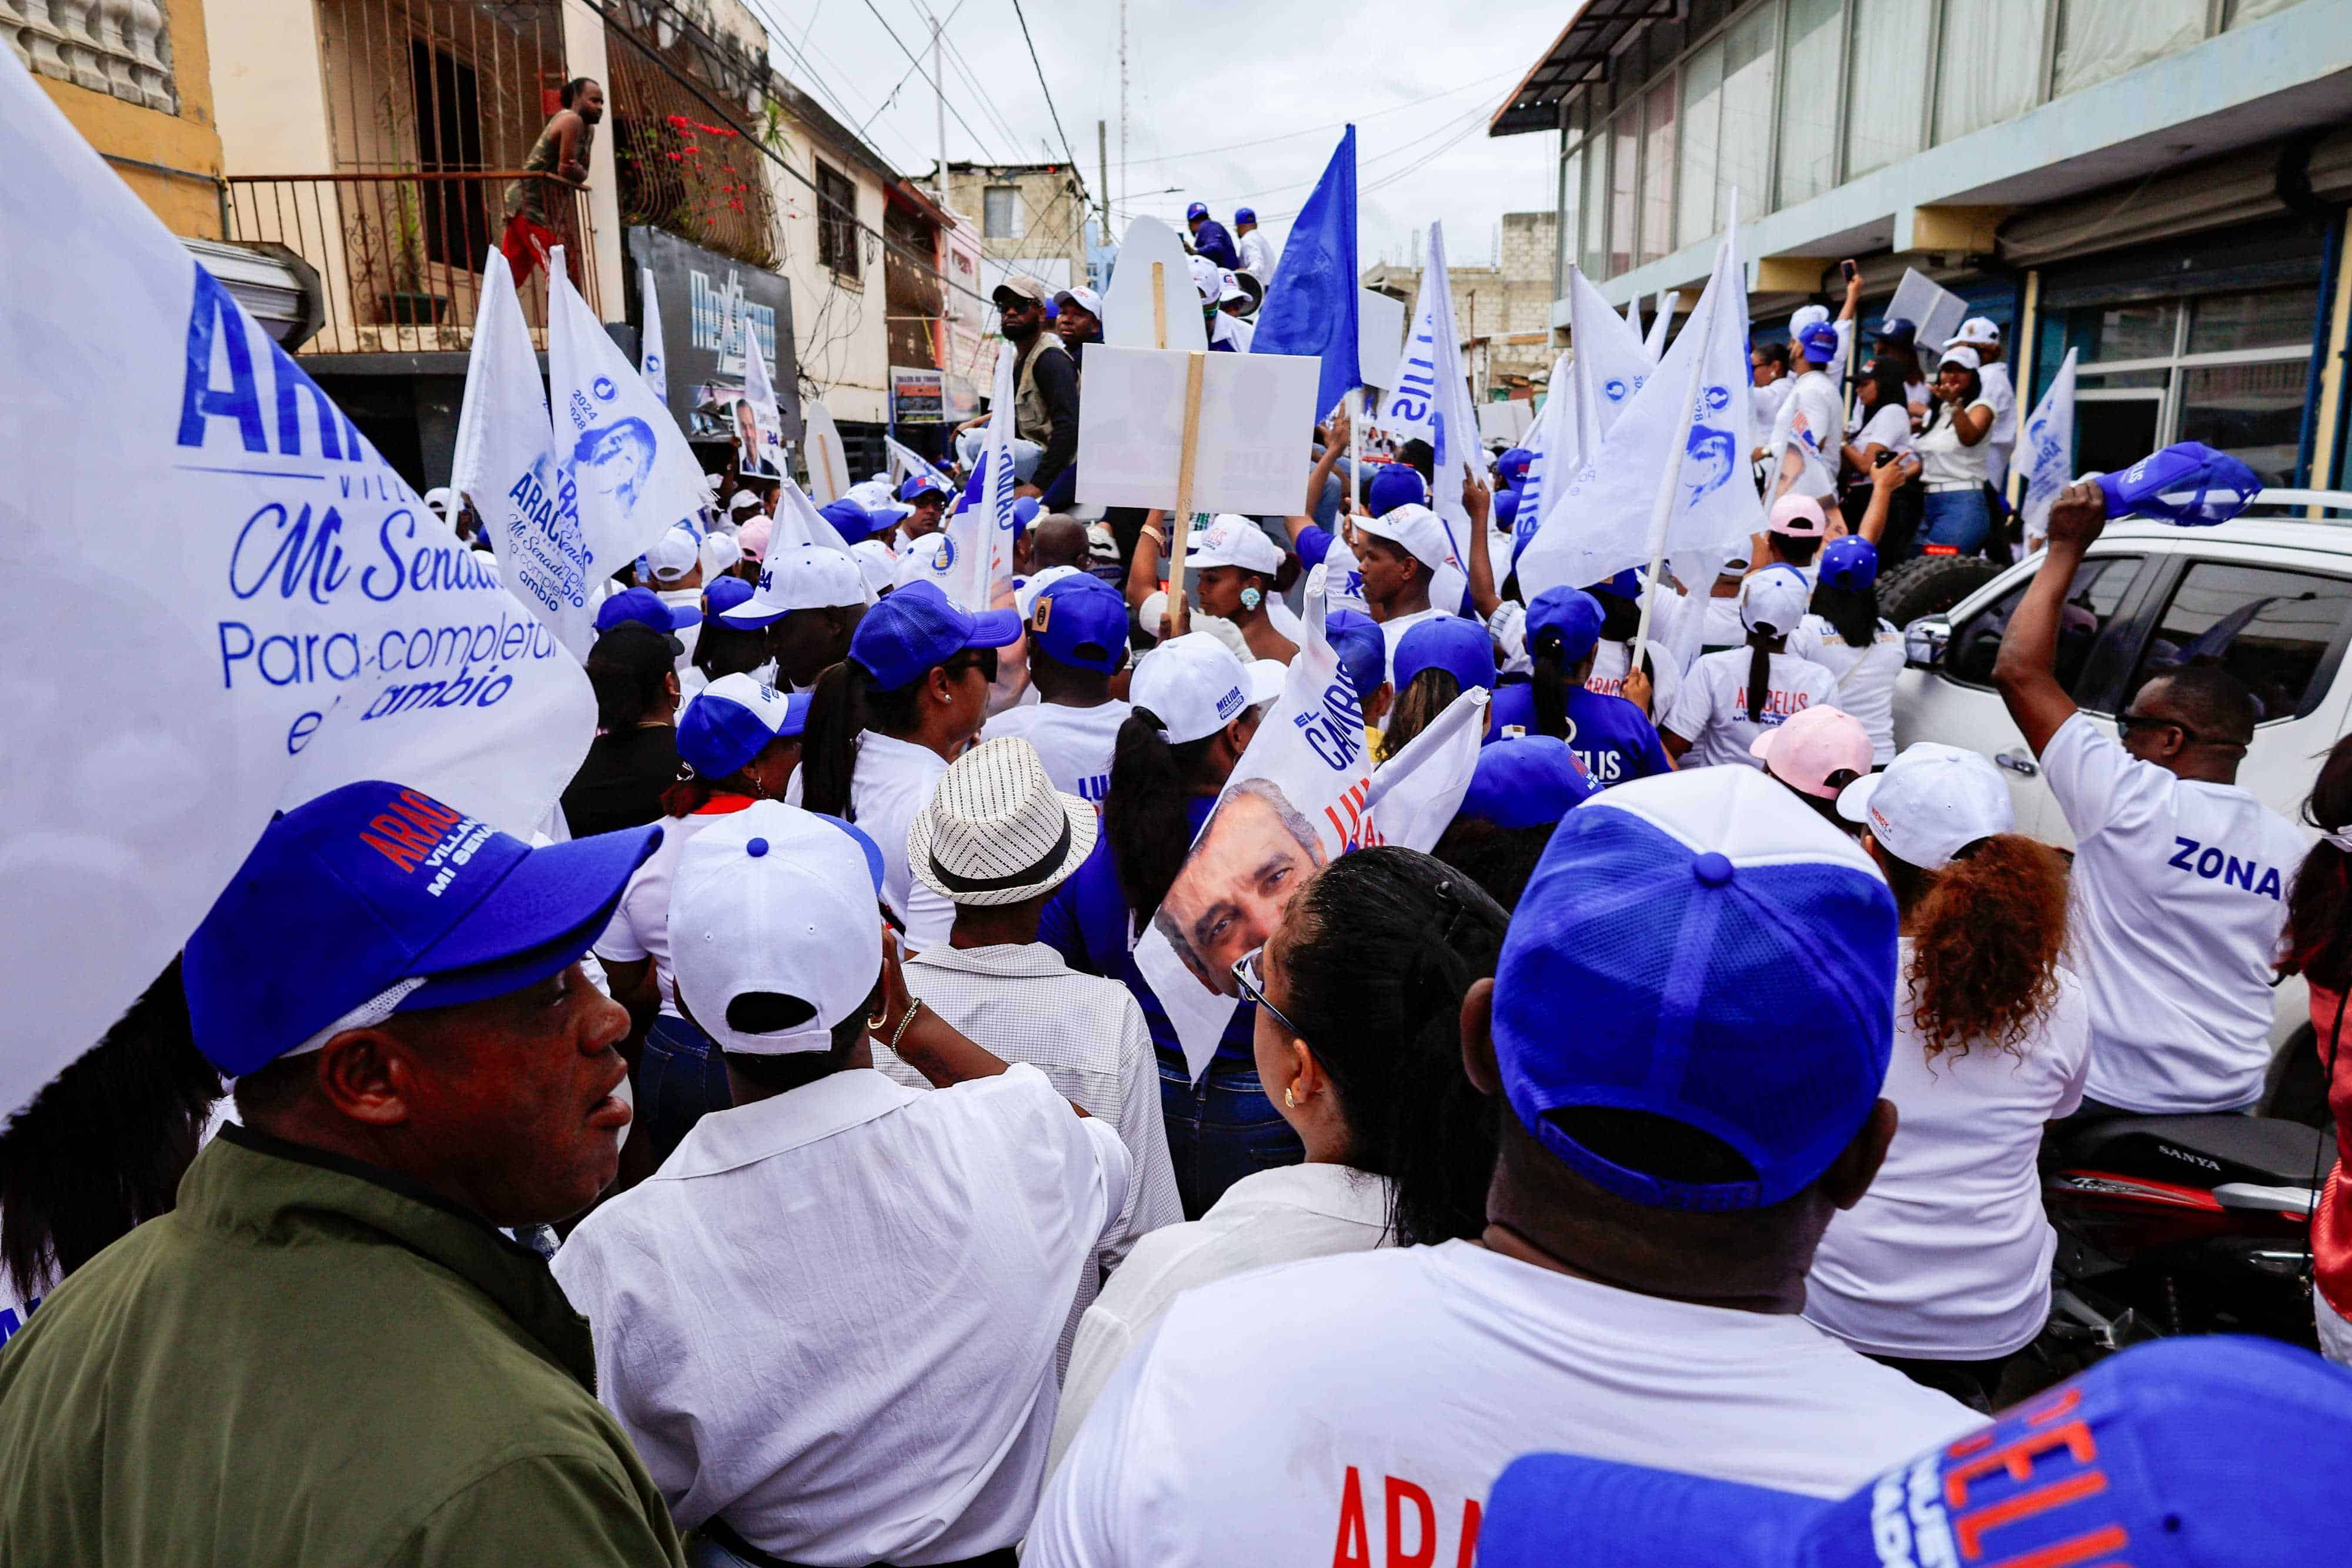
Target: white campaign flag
<point x="632" y="475"/>
<point x="506" y="469"/>
<point x="1407" y="410"/>
<point x="1294" y="801"/>
<point x="907" y="464"/>
<point x="821" y="450"/>
<point x="2046" y="453"/>
<point x="763" y="442"/>
<point x="240" y="606"/>
<point x="1655" y="344"/>
<point x="798" y="522"/>
<point x="1459" y="455"/>
<point x="1611" y="365"/>
<point x="1415" y="793"/>
<point x="651" y="362"/>
<point x="1689" y="424"/>
<point x="1552" y="446"/>
<point x="976" y="561"/>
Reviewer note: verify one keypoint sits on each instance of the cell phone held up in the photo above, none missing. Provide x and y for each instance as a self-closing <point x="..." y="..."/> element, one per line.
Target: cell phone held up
<point x="1885" y="455"/>
<point x="1848" y="269"/>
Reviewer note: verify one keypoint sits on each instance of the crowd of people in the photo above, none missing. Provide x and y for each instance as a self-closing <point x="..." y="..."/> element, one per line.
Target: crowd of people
<point x="794" y="1166"/>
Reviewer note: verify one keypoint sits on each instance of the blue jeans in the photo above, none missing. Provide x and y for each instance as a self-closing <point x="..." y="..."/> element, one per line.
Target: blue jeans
<point x="1958" y="518"/>
<point x="1221" y="1129"/>
<point x="680" y="1075"/>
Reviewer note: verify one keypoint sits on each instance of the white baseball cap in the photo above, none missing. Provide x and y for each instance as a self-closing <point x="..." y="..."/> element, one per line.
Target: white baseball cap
<point x="1806" y="316"/>
<point x="1025" y="592"/>
<point x="1775" y="597"/>
<point x="1230" y="540"/>
<point x="775" y="935"/>
<point x="1418" y="529"/>
<point x="1194" y="686"/>
<point x="442" y="500"/>
<point x="674" y="554"/>
<point x="877" y="565"/>
<point x="1932" y="802"/>
<point x="719" y="554"/>
<point x="799" y="577"/>
<point x="1960" y="355"/>
<point x="1976" y="329"/>
<point x="921" y="561"/>
<point x="1207" y="278"/>
<point x="1085" y="299"/>
<point x="996" y="829"/>
<point x="744" y="501"/>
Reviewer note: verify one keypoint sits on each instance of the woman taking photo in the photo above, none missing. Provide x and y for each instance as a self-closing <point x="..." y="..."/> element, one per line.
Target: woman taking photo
<point x="1357" y="1035"/>
<point x="886" y="722"/>
<point x="1951" y="451"/>
<point x="1942" y="1271"/>
<point x="2319" y="944"/>
<point x="1175" y="753"/>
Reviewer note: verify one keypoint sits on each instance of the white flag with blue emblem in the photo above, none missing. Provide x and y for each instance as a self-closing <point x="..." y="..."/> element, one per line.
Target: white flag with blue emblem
<point x="2045" y="452"/>
<point x="976" y="562"/>
<point x="1407" y="411"/>
<point x="1691" y="418"/>
<point x="1453" y="431"/>
<point x="1552" y="446"/>
<point x="652" y="363"/>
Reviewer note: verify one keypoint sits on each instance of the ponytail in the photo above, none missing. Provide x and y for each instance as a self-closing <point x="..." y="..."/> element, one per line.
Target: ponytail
<point x="628" y="669"/>
<point x="1143" y="809"/>
<point x="1851" y="611"/>
<point x="1985" y="932"/>
<point x="836" y="717"/>
<point x="1426" y="695"/>
<point x="1760" y="671"/>
<point x="1550" y="691"/>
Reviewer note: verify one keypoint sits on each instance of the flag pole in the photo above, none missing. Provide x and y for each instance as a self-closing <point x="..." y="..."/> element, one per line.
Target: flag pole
<point x="1355" y="403"/>
<point x="1180" y="530"/>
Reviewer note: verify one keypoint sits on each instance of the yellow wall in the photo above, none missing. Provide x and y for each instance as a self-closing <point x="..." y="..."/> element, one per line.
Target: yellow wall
<point x="189" y="142"/>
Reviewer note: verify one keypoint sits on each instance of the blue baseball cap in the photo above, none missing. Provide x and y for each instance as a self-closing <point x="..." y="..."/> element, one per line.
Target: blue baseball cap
<point x="725" y="594"/>
<point x="919" y="627"/>
<point x="2182" y="1453"/>
<point x="1681" y="921"/>
<point x="917" y="486"/>
<point x="1850" y="563"/>
<point x="1526" y="781"/>
<point x="1364" y="651"/>
<point x="644" y="604"/>
<point x="1081" y="622"/>
<point x="1245" y="215"/>
<point x="1897" y="329"/>
<point x="1506" y="509"/>
<point x="350" y="896"/>
<point x="2188" y="483"/>
<point x="1024" y="512"/>
<point x="850" y="520"/>
<point x="1197" y="210"/>
<point x="1461" y="648"/>
<point x="1393" y="485"/>
<point x="733" y="720"/>
<point x="1513" y="464"/>
<point x="1626" y="584"/>
<point x="1818" y="344"/>
<point x="1567" y="618"/>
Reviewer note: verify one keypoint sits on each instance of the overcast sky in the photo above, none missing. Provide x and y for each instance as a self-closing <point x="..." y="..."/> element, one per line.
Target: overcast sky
<point x="1232" y="102"/>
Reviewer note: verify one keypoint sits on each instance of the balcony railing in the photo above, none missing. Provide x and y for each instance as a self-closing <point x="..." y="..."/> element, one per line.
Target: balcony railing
<point x="399" y="255"/>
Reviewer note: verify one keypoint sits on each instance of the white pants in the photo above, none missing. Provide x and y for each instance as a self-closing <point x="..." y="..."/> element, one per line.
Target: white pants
<point x="2334" y="1331"/>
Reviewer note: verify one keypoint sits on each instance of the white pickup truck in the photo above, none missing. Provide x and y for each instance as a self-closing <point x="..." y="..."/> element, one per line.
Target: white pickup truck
<point x="2269" y="595"/>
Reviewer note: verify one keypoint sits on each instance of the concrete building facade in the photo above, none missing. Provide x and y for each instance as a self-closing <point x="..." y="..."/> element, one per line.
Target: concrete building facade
<point x="1503" y="312"/>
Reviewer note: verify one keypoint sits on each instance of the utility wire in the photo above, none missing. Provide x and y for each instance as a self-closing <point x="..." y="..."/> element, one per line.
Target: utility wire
<point x="1024" y="19"/>
<point x="915" y="60"/>
<point x="1312" y="130"/>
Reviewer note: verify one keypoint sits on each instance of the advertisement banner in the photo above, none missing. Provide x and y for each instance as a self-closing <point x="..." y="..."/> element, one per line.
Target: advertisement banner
<point x="918" y="396"/>
<point x="693" y="289"/>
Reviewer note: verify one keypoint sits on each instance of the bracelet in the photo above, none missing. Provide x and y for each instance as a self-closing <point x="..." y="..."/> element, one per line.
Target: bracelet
<point x="914" y="1006"/>
<point x="1154" y="535"/>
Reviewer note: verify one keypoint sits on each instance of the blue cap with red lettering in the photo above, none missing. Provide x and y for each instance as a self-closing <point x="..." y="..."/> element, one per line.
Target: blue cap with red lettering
<point x="374" y="899"/>
<point x="2188" y="483"/>
<point x="2185" y="1453"/>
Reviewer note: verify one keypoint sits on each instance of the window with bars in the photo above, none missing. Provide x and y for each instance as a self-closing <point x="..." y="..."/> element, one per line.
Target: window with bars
<point x="837" y="221"/>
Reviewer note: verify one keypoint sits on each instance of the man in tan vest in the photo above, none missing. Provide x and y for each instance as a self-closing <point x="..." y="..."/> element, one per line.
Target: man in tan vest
<point x="1045" y="383"/>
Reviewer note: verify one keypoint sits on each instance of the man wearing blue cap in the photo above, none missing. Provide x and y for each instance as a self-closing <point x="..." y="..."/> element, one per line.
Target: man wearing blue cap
<point x="1813" y="414"/>
<point x="1257" y="251"/>
<point x="1077" y="640"/>
<point x="1667" y="1166"/>
<point x="2179" y="890"/>
<point x="930" y="500"/>
<point x="329" y="1349"/>
<point x="1210" y="239"/>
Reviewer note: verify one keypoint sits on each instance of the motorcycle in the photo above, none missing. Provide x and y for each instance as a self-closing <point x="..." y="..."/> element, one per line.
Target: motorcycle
<point x="2176" y="1225"/>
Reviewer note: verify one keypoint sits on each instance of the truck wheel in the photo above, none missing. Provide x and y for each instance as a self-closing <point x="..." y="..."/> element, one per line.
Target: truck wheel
<point x="1932" y="584"/>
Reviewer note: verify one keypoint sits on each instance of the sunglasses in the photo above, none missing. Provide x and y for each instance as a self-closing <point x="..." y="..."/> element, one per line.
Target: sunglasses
<point x="2127" y="723"/>
<point x="1250" y="978"/>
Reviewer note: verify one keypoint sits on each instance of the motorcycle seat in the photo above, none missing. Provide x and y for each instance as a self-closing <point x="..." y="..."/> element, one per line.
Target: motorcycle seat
<point x="2243" y="1148"/>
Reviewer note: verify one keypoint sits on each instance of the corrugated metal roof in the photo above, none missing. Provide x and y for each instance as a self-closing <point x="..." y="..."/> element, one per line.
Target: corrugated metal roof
<point x="1580" y="53"/>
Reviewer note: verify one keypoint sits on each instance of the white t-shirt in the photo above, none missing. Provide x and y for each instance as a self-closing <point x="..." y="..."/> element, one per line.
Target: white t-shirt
<point x="2001" y="392"/>
<point x="1887" y="426"/>
<point x="1813" y="416"/>
<point x="2179" y="897"/>
<point x="1865" y="677"/>
<point x="1948" y="1256"/>
<point x="1257" y="254"/>
<point x="1765" y="401"/>
<point x="1274" y="1415"/>
<point x="1711" y="711"/>
<point x="1944" y="459"/>
<point x="1392" y="631"/>
<point x="1721" y="628"/>
<point x="1074" y="743"/>
<point x="639" y="928"/>
<point x="1607" y="677"/>
<point x="1342" y="579"/>
<point x="894" y="780"/>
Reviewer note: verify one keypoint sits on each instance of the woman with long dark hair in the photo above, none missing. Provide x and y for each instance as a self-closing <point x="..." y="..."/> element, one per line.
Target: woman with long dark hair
<point x="1845" y="635"/>
<point x="103" y="1148"/>
<point x="1359" y="1035"/>
<point x="1952" y="451"/>
<point x="2318" y="946"/>
<point x="1194" y="709"/>
<point x="726" y="648"/>
<point x="887" y="720"/>
<point x="1436" y="662"/>
<point x="634" y="757"/>
<point x="1613" y="739"/>
<point x="1942" y="1271"/>
<point x="1729" y="698"/>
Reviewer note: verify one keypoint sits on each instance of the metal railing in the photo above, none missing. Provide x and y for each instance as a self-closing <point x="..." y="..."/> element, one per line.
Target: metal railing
<point x="399" y="255"/>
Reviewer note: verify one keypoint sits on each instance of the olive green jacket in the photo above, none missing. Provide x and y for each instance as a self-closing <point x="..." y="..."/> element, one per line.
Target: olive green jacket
<point x="312" y="1361"/>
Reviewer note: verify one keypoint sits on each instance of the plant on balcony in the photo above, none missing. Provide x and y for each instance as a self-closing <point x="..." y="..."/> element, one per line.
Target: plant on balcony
<point x="696" y="180"/>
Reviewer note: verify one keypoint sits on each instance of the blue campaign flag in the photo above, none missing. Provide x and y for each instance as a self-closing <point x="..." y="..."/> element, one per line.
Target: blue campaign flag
<point x="1310" y="305"/>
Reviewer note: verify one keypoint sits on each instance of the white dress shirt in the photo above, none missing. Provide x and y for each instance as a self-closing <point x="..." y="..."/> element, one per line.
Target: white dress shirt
<point x="1280" y="1215"/>
<point x="1258" y="254"/>
<point x="1086" y="1035"/>
<point x="829" y="1318"/>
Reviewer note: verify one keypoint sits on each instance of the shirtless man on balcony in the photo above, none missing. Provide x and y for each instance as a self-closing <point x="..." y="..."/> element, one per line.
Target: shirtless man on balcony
<point x="536" y="216"/>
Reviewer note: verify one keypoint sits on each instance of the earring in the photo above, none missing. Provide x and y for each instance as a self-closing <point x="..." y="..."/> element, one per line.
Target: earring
<point x="1290" y="1097"/>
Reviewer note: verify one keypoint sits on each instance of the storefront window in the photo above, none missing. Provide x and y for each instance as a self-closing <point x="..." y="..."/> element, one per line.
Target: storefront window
<point x="1595" y="257"/>
<point x="1809" y="101"/>
<point x="1883" y="110"/>
<point x="1744" y="158"/>
<point x="2102" y="38"/>
<point x="1702" y="129"/>
<point x="1989" y="67"/>
<point x="1624" y="175"/>
<point x="1658" y="170"/>
<point x="2264" y="319"/>
<point x="2252" y="412"/>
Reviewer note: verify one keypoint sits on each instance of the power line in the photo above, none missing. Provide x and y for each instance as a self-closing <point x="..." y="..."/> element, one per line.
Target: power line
<point x="913" y="59"/>
<point x="1022" y="17"/>
<point x="1332" y="125"/>
<point x="912" y="71"/>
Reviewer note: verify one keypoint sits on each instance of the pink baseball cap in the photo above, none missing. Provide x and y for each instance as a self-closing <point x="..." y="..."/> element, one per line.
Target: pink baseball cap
<point x="1815" y="746"/>
<point x="1799" y="517"/>
<point x="754" y="537"/>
